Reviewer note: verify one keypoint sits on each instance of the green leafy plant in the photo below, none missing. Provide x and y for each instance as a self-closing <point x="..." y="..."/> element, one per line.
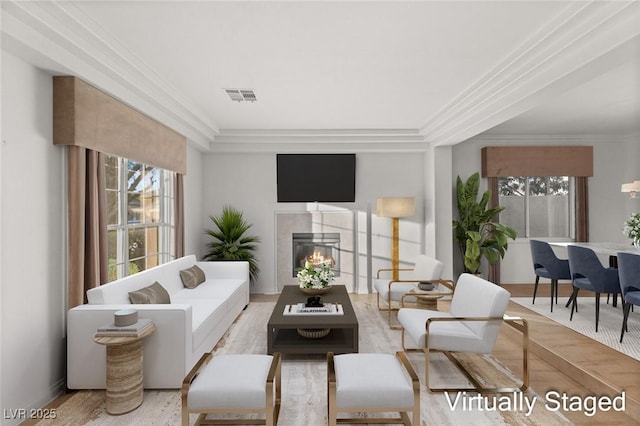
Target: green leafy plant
<point x="631" y="229"/>
<point x="230" y="242"/>
<point x="475" y="231"/>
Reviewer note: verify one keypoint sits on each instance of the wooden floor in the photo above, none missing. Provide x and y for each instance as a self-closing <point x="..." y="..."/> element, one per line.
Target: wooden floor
<point x="559" y="359"/>
<point x="566" y="361"/>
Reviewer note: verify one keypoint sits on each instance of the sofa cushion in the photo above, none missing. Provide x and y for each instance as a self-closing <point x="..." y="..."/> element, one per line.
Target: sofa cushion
<point x="397" y="290"/>
<point x="371" y="381"/>
<point x="446" y="334"/>
<point x="153" y="294"/>
<point x="215" y="288"/>
<point x="192" y="277"/>
<point x="206" y="314"/>
<point x="231" y="382"/>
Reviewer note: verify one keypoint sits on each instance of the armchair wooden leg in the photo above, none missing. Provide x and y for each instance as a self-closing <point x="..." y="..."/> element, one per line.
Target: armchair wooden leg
<point x="535" y="289"/>
<point x="393" y="327"/>
<point x="388" y="309"/>
<point x="380" y="308"/>
<point x="274" y="396"/>
<point x="331" y="391"/>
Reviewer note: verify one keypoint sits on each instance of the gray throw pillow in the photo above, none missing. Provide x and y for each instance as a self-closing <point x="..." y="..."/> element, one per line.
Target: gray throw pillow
<point x="192" y="277"/>
<point x="154" y="294"/>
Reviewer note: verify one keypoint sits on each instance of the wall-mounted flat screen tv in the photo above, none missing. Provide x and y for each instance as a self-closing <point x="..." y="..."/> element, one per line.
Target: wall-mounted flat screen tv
<point x="316" y="177"/>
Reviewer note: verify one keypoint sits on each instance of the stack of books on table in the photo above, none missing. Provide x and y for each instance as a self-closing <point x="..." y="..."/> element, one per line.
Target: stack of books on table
<point x="133" y="330"/>
<point x="302" y="309"/>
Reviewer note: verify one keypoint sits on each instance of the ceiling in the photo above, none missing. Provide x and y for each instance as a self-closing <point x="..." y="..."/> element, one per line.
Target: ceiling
<point x="440" y="71"/>
<point x="609" y="104"/>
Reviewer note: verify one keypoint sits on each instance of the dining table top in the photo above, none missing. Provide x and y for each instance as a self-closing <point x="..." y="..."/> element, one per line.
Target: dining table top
<point x="606" y="248"/>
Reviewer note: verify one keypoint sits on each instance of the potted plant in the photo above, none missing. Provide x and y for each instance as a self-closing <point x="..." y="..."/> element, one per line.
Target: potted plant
<point x="632" y="229"/>
<point x="315" y="278"/>
<point x="230" y="242"/>
<point x="476" y="232"/>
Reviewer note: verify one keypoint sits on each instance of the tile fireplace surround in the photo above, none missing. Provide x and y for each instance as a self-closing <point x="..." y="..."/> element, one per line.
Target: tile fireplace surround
<point x="317" y="222"/>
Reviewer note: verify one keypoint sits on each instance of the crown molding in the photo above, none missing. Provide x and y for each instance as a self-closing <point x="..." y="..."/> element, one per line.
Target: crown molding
<point x="550" y="139"/>
<point x="585" y="39"/>
<point x="62" y="39"/>
<point x="578" y="44"/>
<point x="319" y="140"/>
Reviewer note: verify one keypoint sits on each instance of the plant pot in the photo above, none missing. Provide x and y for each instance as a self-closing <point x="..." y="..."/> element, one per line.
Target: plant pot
<point x="315" y="291"/>
<point x="313" y="333"/>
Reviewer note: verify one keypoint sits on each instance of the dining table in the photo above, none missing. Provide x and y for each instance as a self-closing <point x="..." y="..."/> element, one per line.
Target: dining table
<point x="610" y="249"/>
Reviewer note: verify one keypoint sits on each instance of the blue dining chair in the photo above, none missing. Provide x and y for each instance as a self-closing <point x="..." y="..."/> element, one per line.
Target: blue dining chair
<point x="629" y="272"/>
<point x="547" y="265"/>
<point x="588" y="273"/>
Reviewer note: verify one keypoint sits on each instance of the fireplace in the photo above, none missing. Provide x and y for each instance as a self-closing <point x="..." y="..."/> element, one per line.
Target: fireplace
<point x="315" y="247"/>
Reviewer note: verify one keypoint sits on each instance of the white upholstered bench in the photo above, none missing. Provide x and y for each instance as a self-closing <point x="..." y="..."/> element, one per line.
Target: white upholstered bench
<point x="372" y="383"/>
<point x="231" y="384"/>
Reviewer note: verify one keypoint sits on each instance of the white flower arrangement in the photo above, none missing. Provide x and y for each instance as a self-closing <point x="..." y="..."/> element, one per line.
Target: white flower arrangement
<point x="317" y="275"/>
<point x="632" y="229"/>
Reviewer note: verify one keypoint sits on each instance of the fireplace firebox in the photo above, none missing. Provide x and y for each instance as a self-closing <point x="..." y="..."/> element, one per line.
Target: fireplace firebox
<point x="315" y="247"/>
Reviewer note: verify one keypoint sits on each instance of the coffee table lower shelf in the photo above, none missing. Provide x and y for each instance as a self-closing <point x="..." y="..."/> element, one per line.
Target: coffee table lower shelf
<point x="288" y="341"/>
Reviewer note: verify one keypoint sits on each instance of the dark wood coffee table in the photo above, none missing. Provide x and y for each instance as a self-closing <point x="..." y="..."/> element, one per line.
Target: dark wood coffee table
<point x="282" y="335"/>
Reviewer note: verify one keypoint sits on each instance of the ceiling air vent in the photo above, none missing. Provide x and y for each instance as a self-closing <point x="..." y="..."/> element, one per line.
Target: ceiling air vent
<point x="241" y="95"/>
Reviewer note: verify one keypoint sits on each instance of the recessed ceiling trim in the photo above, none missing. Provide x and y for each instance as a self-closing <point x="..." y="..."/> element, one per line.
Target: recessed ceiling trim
<point x="318" y="140"/>
<point x="580" y="35"/>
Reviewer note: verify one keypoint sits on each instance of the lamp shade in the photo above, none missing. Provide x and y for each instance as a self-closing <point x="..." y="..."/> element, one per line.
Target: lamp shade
<point x="396" y="207"/>
<point x="631" y="187"/>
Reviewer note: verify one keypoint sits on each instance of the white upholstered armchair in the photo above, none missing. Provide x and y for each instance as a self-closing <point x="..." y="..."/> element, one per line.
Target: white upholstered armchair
<point x="472" y="325"/>
<point x="426" y="270"/>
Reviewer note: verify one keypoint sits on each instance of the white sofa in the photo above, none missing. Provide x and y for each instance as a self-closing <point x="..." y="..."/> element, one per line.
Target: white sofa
<point x="189" y="326"/>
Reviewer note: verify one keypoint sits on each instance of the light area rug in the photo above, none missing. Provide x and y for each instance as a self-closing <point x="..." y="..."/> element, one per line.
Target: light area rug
<point x="584" y="321"/>
<point x="304" y="391"/>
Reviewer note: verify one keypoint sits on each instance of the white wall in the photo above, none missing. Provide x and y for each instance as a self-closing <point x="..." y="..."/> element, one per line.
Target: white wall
<point x="1" y="204"/>
<point x="248" y="183"/>
<point x="193" y="202"/>
<point x="33" y="228"/>
<point x="632" y="172"/>
<point x="439" y="175"/>
<point x="32" y="253"/>
<point x="606" y="202"/>
<point x="607" y="205"/>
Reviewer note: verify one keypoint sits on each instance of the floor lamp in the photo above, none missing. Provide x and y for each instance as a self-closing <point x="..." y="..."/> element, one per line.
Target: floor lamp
<point x="395" y="208"/>
<point x="633" y="188"/>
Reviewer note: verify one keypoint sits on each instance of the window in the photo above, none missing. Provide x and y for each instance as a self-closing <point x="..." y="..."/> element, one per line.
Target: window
<point x="140" y="217"/>
<point x="538" y="207"/>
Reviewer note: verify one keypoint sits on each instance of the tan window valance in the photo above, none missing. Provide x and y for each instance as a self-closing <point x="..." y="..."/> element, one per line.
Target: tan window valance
<point x="88" y="117"/>
<point x="502" y="161"/>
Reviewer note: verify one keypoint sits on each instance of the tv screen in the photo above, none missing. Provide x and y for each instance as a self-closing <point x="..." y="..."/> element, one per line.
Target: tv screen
<point x="316" y="177"/>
